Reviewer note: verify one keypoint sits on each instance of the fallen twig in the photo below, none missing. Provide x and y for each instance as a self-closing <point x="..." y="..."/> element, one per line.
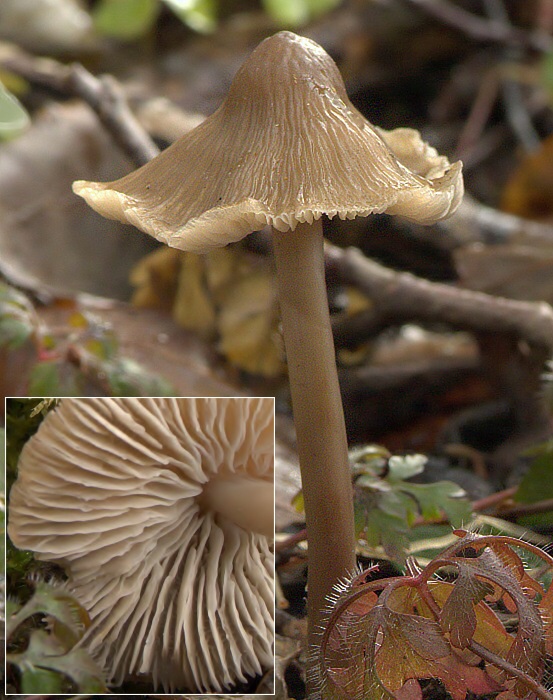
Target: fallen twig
<point x="492" y="225"/>
<point x="403" y="296"/>
<point x="104" y="95"/>
<point x="516" y="110"/>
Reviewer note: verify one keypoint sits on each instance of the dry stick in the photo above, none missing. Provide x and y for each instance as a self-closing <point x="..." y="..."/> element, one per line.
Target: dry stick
<point x="494" y="499"/>
<point x="401" y="295"/>
<point x="104" y="95"/>
<point x="515" y="108"/>
<point x="483" y="29"/>
<point x="494" y="226"/>
<point x="545" y="506"/>
<point x="479" y="113"/>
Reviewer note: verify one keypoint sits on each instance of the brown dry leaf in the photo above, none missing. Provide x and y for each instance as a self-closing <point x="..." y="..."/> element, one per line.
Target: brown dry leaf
<point x="529" y="192"/>
<point x="227" y="296"/>
<point x="194" y="307"/>
<point x="155" y="279"/>
<point x="47" y="235"/>
<point x="248" y="325"/>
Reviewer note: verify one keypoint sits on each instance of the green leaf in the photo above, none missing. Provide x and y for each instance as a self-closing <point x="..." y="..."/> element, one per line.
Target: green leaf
<point x="45" y="652"/>
<point x="47" y="379"/>
<point x="537" y="484"/>
<point x="41" y="681"/>
<point x="127" y="378"/>
<point x="293" y="13"/>
<point x="547" y="71"/>
<point x="319" y="7"/>
<point x="13" y="117"/>
<point x="199" y="15"/>
<point x="17" y="321"/>
<point x="125" y="19"/>
<point x="2" y="471"/>
<point x="70" y="618"/>
<point x="443" y="496"/>
<point x="52" y="652"/>
<point x="287" y="13"/>
<point x="406" y="466"/>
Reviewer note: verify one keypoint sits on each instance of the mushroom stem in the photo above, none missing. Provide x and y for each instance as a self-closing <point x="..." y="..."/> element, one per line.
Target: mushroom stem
<point x="247" y="501"/>
<point x="318" y="414"/>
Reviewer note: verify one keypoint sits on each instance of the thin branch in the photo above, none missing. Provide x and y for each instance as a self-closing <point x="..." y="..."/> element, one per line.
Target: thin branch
<point x="104" y="95"/>
<point x="515" y="107"/>
<point x="545" y="506"/>
<point x="511" y="670"/>
<point x="482" y="29"/>
<point x="494" y="499"/>
<point x="493" y="226"/>
<point x="403" y="296"/>
<point x="479" y="113"/>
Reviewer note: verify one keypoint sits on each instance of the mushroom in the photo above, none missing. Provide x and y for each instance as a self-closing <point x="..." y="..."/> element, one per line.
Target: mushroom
<point x="161" y="513"/>
<point x="285" y="147"/>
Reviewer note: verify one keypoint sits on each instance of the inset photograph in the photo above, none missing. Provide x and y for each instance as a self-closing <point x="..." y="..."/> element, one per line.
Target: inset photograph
<point x="140" y="549"/>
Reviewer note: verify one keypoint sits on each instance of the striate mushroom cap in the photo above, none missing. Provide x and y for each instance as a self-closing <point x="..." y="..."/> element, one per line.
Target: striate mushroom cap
<point x="285" y="147"/>
<point x="118" y="492"/>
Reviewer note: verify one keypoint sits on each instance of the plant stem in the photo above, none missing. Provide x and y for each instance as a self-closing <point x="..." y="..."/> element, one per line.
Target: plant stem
<point x="511" y="670"/>
<point x="318" y="415"/>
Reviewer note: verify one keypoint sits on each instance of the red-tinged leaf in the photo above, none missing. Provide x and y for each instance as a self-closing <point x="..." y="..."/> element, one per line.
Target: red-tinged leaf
<point x="350" y="672"/>
<point x="527" y="652"/>
<point x="399" y="660"/>
<point x="458" y="614"/>
<point x="514" y="563"/>
<point x="545" y="607"/>
<point x="422" y="634"/>
<point x="391" y="633"/>
<point x="490" y="631"/>
<point x="346" y="625"/>
<point x="410" y="690"/>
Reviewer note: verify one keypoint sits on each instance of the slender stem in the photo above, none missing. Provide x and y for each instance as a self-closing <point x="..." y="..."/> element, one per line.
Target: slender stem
<point x="531" y="683"/>
<point x="318" y="415"/>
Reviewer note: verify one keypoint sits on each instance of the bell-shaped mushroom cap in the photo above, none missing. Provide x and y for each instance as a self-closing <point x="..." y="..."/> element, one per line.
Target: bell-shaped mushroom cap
<point x="286" y="146"/>
<point x="114" y="490"/>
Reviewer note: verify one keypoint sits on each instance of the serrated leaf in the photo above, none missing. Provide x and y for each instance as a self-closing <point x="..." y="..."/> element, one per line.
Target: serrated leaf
<point x="528" y="649"/>
<point x="58" y="604"/>
<point x="489" y="631"/>
<point x="125" y="19"/>
<point x="388" y="530"/>
<point x="384" y="642"/>
<point x="443" y="496"/>
<point x="45" y="652"/>
<point x="458" y="613"/>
